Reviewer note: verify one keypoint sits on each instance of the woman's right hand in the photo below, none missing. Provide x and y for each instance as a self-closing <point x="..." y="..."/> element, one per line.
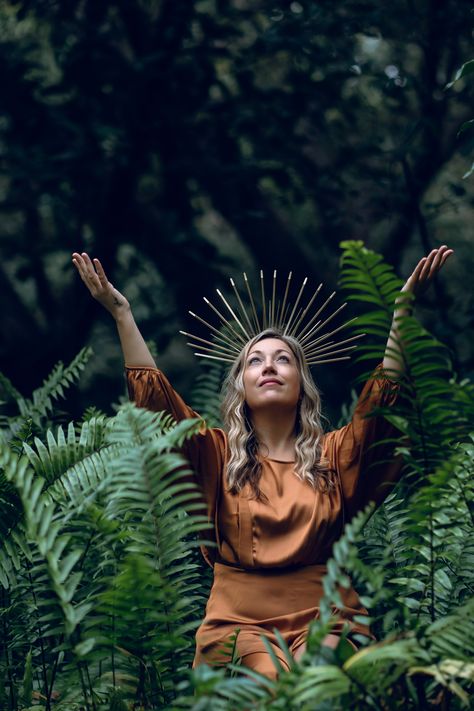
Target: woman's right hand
<point x="94" y="277"/>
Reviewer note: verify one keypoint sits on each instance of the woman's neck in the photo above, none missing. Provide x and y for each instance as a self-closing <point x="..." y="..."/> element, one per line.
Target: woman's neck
<point x="276" y="435"/>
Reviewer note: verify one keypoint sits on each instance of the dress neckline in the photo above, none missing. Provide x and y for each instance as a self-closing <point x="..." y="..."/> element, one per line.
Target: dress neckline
<point x="281" y="461"/>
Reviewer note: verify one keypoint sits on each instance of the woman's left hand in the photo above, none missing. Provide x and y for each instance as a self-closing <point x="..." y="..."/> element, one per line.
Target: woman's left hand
<point x="425" y="270"/>
<point x="417" y="282"/>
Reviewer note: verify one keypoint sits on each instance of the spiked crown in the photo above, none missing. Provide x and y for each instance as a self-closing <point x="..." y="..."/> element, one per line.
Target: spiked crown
<point x="245" y="322"/>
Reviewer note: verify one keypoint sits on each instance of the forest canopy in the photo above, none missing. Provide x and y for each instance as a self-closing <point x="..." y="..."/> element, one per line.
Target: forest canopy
<point x="184" y="141"/>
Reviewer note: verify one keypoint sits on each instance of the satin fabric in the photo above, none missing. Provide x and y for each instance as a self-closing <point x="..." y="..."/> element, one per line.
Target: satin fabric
<point x="270" y="555"/>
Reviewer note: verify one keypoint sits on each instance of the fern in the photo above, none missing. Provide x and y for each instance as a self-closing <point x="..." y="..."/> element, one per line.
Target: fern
<point x="42" y="400"/>
<point x="101" y="585"/>
<point x="103" y="525"/>
<point x="206" y="394"/>
<point x="33" y="412"/>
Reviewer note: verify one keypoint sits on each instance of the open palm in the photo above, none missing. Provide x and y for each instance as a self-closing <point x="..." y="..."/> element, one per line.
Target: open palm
<point x="94" y="277"/>
<point x="424" y="272"/>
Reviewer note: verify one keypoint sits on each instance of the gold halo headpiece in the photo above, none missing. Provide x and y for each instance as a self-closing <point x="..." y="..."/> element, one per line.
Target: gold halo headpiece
<point x="288" y="319"/>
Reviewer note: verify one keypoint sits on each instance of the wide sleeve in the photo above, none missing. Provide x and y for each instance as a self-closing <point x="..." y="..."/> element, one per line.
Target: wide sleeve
<point x="149" y="388"/>
<point x="365" y="462"/>
<point x="206" y="451"/>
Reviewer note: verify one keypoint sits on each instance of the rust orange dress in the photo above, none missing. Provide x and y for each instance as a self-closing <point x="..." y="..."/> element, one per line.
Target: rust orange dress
<point x="270" y="557"/>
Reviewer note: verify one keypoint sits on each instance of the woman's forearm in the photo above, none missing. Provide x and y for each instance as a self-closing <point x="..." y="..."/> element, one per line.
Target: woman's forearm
<point x="394" y="361"/>
<point x="418" y="281"/>
<point x="135" y="350"/>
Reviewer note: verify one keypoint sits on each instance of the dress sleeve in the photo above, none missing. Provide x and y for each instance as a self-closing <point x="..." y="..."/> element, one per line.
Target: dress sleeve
<point x="149" y="388"/>
<point x="206" y="451"/>
<point x="364" y="461"/>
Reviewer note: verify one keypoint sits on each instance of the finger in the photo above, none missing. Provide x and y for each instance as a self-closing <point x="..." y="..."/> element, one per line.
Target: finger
<point x="79" y="264"/>
<point x="88" y="263"/>
<point x="77" y="259"/>
<point x="443" y="253"/>
<point x="446" y="256"/>
<point x="417" y="270"/>
<point x="89" y="275"/>
<point x="85" y="269"/>
<point x="100" y="272"/>
<point x="447" y="253"/>
<point x="414" y="278"/>
<point x="435" y="264"/>
<point x="427" y="265"/>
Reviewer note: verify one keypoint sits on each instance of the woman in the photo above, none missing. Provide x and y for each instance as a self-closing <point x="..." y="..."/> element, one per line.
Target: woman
<point x="277" y="489"/>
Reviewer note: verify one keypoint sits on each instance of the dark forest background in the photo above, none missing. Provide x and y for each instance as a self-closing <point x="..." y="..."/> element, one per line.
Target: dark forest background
<point x="183" y="141"/>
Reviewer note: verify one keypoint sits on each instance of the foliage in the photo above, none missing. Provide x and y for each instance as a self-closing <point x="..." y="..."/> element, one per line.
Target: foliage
<point x="176" y="139"/>
<point x="466" y="70"/>
<point x="101" y="590"/>
<point x="205" y="397"/>
<point x="98" y="584"/>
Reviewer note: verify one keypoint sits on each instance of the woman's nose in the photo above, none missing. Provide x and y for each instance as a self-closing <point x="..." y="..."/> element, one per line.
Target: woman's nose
<point x="269" y="365"/>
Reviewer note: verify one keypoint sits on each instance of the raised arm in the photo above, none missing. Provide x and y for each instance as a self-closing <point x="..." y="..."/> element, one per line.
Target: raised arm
<point x="135" y="351"/>
<point x="148" y="387"/>
<point x="417" y="282"/>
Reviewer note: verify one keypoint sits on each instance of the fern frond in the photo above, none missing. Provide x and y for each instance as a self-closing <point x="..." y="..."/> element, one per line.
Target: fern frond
<point x="8" y="390"/>
<point x="452" y="637"/>
<point x="152" y="568"/>
<point x="44" y="532"/>
<point x="369" y="280"/>
<point x="65" y="450"/>
<point x="42" y="400"/>
<point x="206" y="393"/>
<point x="208" y="688"/>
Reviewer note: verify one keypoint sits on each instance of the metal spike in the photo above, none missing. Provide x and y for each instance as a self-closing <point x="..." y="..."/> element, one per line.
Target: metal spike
<point x="330" y="360"/>
<point x="306" y="309"/>
<point x="241" y="306"/>
<point x="262" y="293"/>
<point x="223" y="318"/>
<point x="280" y="316"/>
<point x="331" y="333"/>
<point x="272" y="307"/>
<point x="319" y="326"/>
<point x="254" y="311"/>
<point x="288" y="328"/>
<point x="331" y="344"/>
<point x="313" y="318"/>
<point x="330" y="352"/>
<point x="284" y="316"/>
<point x="212" y="344"/>
<point x="233" y="314"/>
<point x="219" y="336"/>
<point x="224" y="352"/>
<point x="297" y="318"/>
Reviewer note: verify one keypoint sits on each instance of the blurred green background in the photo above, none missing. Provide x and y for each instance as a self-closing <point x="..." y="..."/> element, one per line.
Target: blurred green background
<point x="183" y="141"/>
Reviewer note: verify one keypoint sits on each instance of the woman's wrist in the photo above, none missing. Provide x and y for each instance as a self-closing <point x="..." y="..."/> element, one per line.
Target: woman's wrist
<point x="404" y="302"/>
<point x="122" y="313"/>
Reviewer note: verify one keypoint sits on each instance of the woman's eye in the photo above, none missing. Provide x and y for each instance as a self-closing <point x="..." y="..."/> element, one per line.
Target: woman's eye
<point x="253" y="360"/>
<point x="284" y="358"/>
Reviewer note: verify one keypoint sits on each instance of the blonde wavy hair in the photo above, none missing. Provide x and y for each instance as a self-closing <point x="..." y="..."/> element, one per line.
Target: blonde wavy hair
<point x="244" y="465"/>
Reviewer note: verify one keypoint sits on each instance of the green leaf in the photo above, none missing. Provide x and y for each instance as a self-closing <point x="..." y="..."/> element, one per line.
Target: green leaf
<point x="468" y="173"/>
<point x="464" y="71"/>
<point x="84" y="647"/>
<point x="465" y="126"/>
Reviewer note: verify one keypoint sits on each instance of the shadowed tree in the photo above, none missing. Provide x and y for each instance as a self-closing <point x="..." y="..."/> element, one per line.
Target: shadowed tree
<point x="152" y="133"/>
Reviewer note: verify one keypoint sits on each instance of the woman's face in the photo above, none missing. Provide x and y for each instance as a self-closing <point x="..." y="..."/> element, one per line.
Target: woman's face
<point x="271" y="376"/>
